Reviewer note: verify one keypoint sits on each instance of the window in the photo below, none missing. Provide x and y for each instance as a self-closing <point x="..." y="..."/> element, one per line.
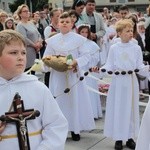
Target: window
<point x="112" y="1"/>
<point x="122" y="1"/>
<point x="131" y="0"/>
<point x="4" y="5"/>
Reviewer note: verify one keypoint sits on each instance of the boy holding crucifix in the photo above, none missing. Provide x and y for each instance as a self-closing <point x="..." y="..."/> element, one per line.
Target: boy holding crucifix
<point x="49" y="130"/>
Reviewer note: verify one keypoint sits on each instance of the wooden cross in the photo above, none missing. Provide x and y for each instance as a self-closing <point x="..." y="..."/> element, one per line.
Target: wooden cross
<point x="19" y="116"/>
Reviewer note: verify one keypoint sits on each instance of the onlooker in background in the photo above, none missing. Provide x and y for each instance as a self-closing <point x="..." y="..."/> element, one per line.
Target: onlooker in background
<point x="136" y="35"/>
<point x="9" y="24"/>
<point x="147" y="47"/>
<point x="140" y="14"/>
<point x="141" y="31"/>
<point x="107" y="38"/>
<point x="53" y="27"/>
<point x="78" y="6"/>
<point x="43" y="19"/>
<point x="49" y="30"/>
<point x="147" y="17"/>
<point x="47" y="10"/>
<point x="74" y="18"/>
<point x="116" y="15"/>
<point x="29" y="31"/>
<point x="61" y="10"/>
<point x="123" y="11"/>
<point x="16" y="18"/>
<point x="95" y="20"/>
<point x="3" y="17"/>
<point x="35" y="19"/>
<point x="106" y="13"/>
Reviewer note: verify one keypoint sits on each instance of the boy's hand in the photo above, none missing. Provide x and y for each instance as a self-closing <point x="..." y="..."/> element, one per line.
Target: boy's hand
<point x="95" y="69"/>
<point x="73" y="66"/>
<point x="2" y="126"/>
<point x="74" y="63"/>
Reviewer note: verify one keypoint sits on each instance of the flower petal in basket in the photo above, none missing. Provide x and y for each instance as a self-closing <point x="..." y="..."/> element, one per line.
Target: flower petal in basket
<point x="58" y="63"/>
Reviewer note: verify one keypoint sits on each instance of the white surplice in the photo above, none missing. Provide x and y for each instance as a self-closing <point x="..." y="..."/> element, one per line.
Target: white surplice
<point x="75" y="105"/>
<point x="37" y="96"/>
<point x="143" y="140"/>
<point x="94" y="97"/>
<point x="122" y="108"/>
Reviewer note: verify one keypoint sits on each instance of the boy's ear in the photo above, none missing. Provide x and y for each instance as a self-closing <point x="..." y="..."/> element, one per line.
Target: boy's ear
<point x="58" y="25"/>
<point x="72" y="24"/>
<point x="118" y="33"/>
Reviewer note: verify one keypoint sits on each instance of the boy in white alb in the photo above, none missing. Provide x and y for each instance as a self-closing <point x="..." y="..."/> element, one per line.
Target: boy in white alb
<point x="122" y="108"/>
<point x="75" y="105"/>
<point x="49" y="130"/>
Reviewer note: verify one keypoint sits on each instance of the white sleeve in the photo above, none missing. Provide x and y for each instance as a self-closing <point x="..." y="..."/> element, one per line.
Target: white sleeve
<point x="143" y="69"/>
<point x="88" y="55"/>
<point x="94" y="51"/>
<point x="84" y="56"/>
<point x="55" y="125"/>
<point x="109" y="65"/>
<point x="49" y="50"/>
<point x="47" y="32"/>
<point x="143" y="140"/>
<point x="149" y="76"/>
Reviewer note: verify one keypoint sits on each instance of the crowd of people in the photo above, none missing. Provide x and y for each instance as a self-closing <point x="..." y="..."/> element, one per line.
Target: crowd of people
<point x="99" y="44"/>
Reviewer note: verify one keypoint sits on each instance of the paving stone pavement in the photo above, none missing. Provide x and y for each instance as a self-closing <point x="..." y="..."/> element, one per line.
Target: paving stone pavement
<point x="94" y="140"/>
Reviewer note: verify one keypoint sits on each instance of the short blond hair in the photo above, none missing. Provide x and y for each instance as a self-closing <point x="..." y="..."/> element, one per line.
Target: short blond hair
<point x="8" y="36"/>
<point x="121" y="24"/>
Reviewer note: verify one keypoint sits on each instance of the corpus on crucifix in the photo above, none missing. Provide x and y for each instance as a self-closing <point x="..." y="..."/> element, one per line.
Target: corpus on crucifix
<point x="20" y="116"/>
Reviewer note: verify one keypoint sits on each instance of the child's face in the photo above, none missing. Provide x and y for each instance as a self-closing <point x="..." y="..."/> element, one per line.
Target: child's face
<point x="9" y="24"/>
<point x="36" y="17"/>
<point x="73" y="19"/>
<point x="126" y="34"/>
<point x="55" y="17"/>
<point x="12" y="60"/>
<point x="79" y="9"/>
<point x="84" y="32"/>
<point x="141" y="29"/>
<point x="65" y="25"/>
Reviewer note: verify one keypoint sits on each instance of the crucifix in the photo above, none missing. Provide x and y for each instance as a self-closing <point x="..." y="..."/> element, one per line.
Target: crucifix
<point x="20" y="116"/>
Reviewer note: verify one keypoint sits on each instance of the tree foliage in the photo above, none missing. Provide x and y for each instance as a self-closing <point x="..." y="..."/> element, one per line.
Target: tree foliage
<point x="13" y="6"/>
<point x="36" y="4"/>
<point x="39" y="5"/>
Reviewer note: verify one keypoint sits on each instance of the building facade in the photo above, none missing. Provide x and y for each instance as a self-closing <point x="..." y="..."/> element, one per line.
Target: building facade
<point x="135" y="5"/>
<point x="4" y="5"/>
